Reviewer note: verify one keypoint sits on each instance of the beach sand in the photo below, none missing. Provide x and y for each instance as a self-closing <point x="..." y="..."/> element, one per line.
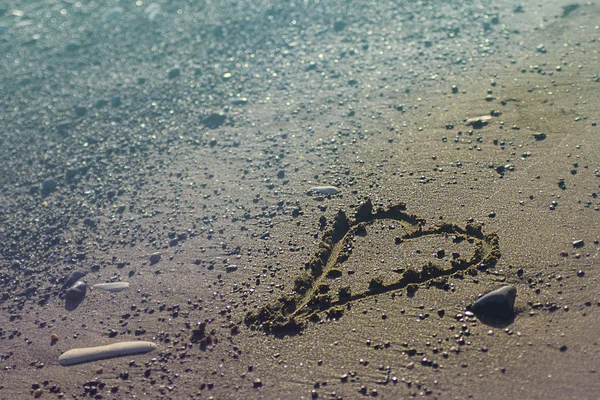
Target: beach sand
<point x="175" y="148"/>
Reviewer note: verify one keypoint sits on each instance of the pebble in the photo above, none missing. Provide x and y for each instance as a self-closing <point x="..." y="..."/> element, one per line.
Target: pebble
<point x="478" y="122"/>
<point x="539" y="136"/>
<point x="153" y="12"/>
<point x="578" y="243"/>
<point x="238" y="101"/>
<point x="115" y="101"/>
<point x="154" y="258"/>
<point x="72" y="45"/>
<point x="112" y="14"/>
<point x="76" y="293"/>
<point x="174" y="73"/>
<point x="48" y="186"/>
<point x="325" y="189"/>
<point x="497" y="304"/>
<point x="112" y="286"/>
<point x="214" y="120"/>
<point x="231" y="268"/>
<point x="339" y="25"/>
<point x="74" y="277"/>
<point x="87" y="354"/>
<point x="80" y="111"/>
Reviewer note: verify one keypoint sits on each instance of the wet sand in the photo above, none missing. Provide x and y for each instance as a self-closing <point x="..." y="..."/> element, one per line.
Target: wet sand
<point x="179" y="155"/>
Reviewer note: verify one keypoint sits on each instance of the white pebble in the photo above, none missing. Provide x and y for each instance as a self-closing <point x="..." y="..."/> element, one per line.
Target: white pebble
<point x="112" y="286"/>
<point x="482" y="119"/>
<point x="325" y="189"/>
<point x="153" y="11"/>
<point x="87" y="354"/>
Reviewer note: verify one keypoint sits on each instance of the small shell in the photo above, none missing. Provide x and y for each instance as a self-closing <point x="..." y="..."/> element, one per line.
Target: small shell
<point x="112" y="286"/>
<point x="325" y="190"/>
<point x="87" y="354"/>
<point x="478" y="121"/>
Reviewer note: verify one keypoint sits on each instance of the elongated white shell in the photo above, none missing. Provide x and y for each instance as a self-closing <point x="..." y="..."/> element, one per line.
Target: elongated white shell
<point x="87" y="354"/>
<point x="325" y="189"/>
<point x="112" y="286"/>
<point x="482" y="119"/>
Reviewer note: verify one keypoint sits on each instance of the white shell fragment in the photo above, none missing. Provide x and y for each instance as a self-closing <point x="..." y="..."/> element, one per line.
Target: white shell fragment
<point x="87" y="354"/>
<point x="478" y="120"/>
<point x="112" y="286"/>
<point x="325" y="189"/>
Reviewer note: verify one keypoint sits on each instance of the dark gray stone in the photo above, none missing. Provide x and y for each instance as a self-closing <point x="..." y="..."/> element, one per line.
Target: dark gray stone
<point x="214" y="120"/>
<point x="174" y="73"/>
<point x="76" y="293"/>
<point x="48" y="186"/>
<point x="154" y="258"/>
<point x="74" y="277"/>
<point x="498" y="304"/>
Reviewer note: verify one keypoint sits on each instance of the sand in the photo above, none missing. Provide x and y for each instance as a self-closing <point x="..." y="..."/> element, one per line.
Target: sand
<point x="178" y="152"/>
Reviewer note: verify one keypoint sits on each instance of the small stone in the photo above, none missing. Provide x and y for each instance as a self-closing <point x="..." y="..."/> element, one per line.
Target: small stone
<point x="478" y="122"/>
<point x="174" y="73"/>
<point x="578" y="243"/>
<point x="74" y="277"/>
<point x="112" y="14"/>
<point x="48" y="186"/>
<point x="154" y="258"/>
<point x="327" y="190"/>
<point x="539" y="136"/>
<point x="63" y="126"/>
<point x="498" y="304"/>
<point x="231" y="268"/>
<point x="79" y="111"/>
<point x="115" y="101"/>
<point x="257" y="383"/>
<point x="153" y="11"/>
<point x="339" y="26"/>
<point x="214" y="120"/>
<point x="72" y="46"/>
<point x="568" y="9"/>
<point x="76" y="293"/>
<point x="238" y="101"/>
<point x="580" y="273"/>
<point x="100" y="103"/>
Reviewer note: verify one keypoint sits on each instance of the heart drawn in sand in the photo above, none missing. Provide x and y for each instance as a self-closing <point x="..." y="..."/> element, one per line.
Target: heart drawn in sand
<point x="328" y="286"/>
